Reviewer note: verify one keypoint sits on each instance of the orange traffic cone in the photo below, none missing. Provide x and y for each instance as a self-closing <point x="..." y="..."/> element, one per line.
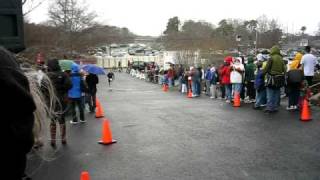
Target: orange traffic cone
<point x="189" y="94"/>
<point x="85" y="176"/>
<point x="305" y="111"/>
<point x="165" y="88"/>
<point x="99" y="110"/>
<point x="106" y="134"/>
<point x="236" y="100"/>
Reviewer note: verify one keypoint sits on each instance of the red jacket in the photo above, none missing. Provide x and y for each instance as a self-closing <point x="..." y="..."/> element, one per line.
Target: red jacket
<point x="225" y="70"/>
<point x="171" y="73"/>
<point x="225" y="74"/>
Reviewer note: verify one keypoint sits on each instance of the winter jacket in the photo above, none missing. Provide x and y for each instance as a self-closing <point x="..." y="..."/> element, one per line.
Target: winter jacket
<point x="225" y="75"/>
<point x="208" y="75"/>
<point x="236" y="75"/>
<point x="17" y="116"/>
<point x="195" y="75"/>
<point x="171" y="73"/>
<point x="275" y="65"/>
<point x="92" y="80"/>
<point x="295" y="64"/>
<point x="259" y="80"/>
<point x="59" y="79"/>
<point x="249" y="70"/>
<point x="110" y="75"/>
<point x="75" y="91"/>
<point x="214" y="78"/>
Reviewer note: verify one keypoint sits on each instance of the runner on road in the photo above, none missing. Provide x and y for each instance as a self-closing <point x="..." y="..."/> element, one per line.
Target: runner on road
<point x="110" y="77"/>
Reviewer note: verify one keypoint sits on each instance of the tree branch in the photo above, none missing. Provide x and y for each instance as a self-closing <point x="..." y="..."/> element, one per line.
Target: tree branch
<point x="32" y="8"/>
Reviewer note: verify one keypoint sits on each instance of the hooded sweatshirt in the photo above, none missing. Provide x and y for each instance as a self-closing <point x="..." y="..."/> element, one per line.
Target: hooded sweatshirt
<point x="275" y="65"/>
<point x="237" y="71"/>
<point x="249" y="70"/>
<point x="225" y="71"/>
<point x="75" y="91"/>
<point x="296" y="61"/>
<point x="17" y="115"/>
<point x="59" y="80"/>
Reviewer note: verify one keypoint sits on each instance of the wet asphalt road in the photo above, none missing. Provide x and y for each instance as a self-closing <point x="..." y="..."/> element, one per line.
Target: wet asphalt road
<point x="167" y="136"/>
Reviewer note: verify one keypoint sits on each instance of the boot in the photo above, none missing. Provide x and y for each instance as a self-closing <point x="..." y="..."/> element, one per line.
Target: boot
<point x="53" y="129"/>
<point x="63" y="134"/>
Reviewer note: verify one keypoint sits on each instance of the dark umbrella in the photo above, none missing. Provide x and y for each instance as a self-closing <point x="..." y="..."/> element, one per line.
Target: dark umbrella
<point x="94" y="69"/>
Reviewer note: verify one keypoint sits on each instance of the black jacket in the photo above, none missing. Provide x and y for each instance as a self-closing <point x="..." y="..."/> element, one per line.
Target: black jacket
<point x="92" y="80"/>
<point x="17" y="115"/>
<point x="60" y="80"/>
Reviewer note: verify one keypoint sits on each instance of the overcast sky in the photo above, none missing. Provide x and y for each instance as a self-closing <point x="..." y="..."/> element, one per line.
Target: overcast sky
<point x="149" y="17"/>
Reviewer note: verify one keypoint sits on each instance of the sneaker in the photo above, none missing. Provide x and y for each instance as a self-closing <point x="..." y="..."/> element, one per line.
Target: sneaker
<point x="64" y="142"/>
<point x="252" y="101"/>
<point x="211" y="97"/>
<point x="290" y="108"/>
<point x="263" y="105"/>
<point x="267" y="111"/>
<point x="83" y="121"/>
<point x="53" y="144"/>
<point x="257" y="107"/>
<point x="294" y="107"/>
<point x="228" y="101"/>
<point x="74" y="122"/>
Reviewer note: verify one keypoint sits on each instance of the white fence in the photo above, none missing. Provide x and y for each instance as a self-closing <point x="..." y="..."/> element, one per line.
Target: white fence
<point x="113" y="62"/>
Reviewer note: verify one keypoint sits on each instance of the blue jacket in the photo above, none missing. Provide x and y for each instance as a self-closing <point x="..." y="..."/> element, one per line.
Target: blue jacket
<point x="208" y="75"/>
<point x="75" y="91"/>
<point x="214" y="78"/>
<point x="259" y="81"/>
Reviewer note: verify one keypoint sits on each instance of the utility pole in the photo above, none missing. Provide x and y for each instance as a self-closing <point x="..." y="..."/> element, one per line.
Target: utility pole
<point x="256" y="42"/>
<point x="238" y="39"/>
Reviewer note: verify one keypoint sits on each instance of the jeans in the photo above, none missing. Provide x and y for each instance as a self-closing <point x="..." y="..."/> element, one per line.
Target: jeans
<point x="273" y="97"/>
<point x="92" y="102"/>
<point x="236" y="88"/>
<point x="198" y="87"/>
<point x="170" y="81"/>
<point x="76" y="102"/>
<point x="208" y="87"/>
<point x="261" y="98"/>
<point x="228" y="91"/>
<point x="180" y="83"/>
<point x="223" y="91"/>
<point x="193" y="87"/>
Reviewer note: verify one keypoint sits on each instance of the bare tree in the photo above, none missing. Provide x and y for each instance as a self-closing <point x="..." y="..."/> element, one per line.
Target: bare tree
<point x="31" y="5"/>
<point x="263" y="23"/>
<point x="71" y="17"/>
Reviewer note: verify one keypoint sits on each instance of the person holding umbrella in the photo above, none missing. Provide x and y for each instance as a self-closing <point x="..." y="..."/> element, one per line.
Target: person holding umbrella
<point x="92" y="80"/>
<point x="74" y="94"/>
